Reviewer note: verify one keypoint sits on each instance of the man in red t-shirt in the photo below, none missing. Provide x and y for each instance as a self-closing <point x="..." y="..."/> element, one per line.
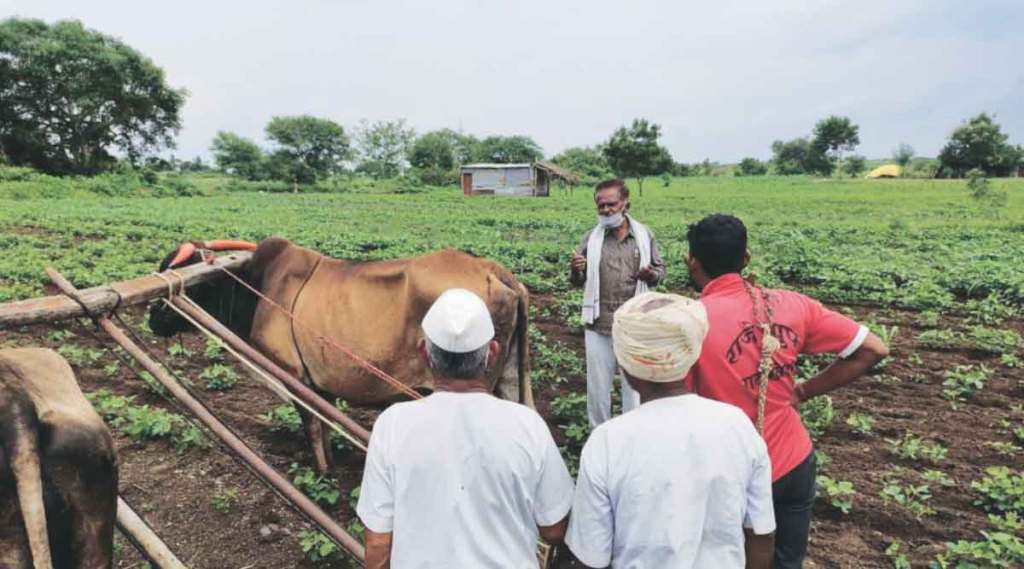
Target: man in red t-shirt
<point x="729" y="366"/>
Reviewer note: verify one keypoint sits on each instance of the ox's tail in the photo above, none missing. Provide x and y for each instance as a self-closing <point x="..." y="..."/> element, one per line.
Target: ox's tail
<point x="19" y="442"/>
<point x="523" y="337"/>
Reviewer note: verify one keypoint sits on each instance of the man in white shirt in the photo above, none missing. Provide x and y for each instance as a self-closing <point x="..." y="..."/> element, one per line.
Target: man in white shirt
<point x="461" y="478"/>
<point x="682" y="481"/>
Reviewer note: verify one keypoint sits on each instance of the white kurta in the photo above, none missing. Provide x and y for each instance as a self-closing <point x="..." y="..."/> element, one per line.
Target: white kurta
<point x="463" y="480"/>
<point x="671" y="484"/>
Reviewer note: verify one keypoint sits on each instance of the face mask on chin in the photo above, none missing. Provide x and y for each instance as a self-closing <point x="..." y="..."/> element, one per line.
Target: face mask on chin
<point x="611" y="221"/>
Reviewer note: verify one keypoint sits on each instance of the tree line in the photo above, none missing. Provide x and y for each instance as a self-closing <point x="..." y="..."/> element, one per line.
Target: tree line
<point x="74" y="101"/>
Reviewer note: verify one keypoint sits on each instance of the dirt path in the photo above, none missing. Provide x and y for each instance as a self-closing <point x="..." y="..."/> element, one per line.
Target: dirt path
<point x="259" y="531"/>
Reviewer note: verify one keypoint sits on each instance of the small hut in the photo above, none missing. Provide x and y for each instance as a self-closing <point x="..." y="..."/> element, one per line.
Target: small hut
<point x="530" y="179"/>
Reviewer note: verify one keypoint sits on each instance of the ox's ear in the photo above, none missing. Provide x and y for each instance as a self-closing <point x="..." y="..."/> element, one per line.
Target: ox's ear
<point x="422" y="349"/>
<point x="493" y="351"/>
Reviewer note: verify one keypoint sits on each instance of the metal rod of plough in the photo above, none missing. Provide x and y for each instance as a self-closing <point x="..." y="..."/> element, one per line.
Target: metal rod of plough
<point x="290" y="382"/>
<point x="144" y="539"/>
<point x="103" y="299"/>
<point x="235" y="444"/>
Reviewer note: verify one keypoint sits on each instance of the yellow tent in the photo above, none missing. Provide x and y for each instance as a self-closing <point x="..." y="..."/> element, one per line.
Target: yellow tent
<point x="887" y="171"/>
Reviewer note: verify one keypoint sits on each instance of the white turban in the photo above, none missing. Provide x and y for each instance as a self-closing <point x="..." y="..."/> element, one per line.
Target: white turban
<point x="657" y="337"/>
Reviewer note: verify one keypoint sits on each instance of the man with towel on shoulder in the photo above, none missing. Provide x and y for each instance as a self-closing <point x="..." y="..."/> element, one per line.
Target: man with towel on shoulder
<point x="615" y="261"/>
<point x="682" y="481"/>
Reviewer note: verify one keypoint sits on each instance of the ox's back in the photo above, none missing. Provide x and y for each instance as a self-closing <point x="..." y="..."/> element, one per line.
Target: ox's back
<point x="373" y="308"/>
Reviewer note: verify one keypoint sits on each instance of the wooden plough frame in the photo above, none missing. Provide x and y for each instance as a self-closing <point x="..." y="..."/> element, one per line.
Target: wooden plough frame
<point x="100" y="302"/>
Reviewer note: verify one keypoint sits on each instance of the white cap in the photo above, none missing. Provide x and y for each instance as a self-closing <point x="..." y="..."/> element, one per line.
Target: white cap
<point x="658" y="337"/>
<point x="458" y="322"/>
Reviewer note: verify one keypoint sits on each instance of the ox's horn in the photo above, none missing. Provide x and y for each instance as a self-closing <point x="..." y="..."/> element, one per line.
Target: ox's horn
<point x="184" y="252"/>
<point x="231" y="245"/>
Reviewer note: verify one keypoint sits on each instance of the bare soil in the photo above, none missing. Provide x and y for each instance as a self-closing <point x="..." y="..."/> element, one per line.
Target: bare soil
<point x="174" y="492"/>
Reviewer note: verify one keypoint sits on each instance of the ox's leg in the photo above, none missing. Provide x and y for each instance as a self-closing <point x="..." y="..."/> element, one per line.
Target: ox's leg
<point x="508" y="378"/>
<point x="318" y="436"/>
<point x="81" y="463"/>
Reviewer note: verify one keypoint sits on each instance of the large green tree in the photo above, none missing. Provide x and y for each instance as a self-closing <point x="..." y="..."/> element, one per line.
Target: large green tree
<point x="383" y="147"/>
<point x="588" y="162"/>
<point x="239" y="156"/>
<point x="436" y="155"/>
<point x="903" y="154"/>
<point x="979" y="143"/>
<point x="72" y="98"/>
<point x="832" y="136"/>
<point x="634" y="152"/>
<point x="751" y="167"/>
<point x="308" y="148"/>
<point x="508" y="149"/>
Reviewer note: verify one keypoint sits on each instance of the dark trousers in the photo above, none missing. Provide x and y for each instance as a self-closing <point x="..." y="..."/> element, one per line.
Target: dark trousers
<point x="793" y="498"/>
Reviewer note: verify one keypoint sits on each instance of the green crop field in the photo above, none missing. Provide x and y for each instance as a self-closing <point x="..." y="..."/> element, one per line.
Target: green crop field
<point x="915" y="458"/>
<point x="913" y="243"/>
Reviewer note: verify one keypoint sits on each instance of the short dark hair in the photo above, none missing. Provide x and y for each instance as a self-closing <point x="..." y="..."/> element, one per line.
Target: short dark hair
<point x="453" y="365"/>
<point x="719" y="242"/>
<point x="613" y="183"/>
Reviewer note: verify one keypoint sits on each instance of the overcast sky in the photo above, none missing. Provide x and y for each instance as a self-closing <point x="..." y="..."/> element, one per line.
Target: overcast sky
<point x="723" y="78"/>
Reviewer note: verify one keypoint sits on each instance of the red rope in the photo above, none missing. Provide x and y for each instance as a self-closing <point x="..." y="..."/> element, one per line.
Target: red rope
<point x="363" y="363"/>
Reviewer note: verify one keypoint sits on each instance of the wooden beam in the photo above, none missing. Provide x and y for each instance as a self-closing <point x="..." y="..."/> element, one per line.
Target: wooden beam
<point x="144" y="538"/>
<point x="103" y="299"/>
<point x="237" y="447"/>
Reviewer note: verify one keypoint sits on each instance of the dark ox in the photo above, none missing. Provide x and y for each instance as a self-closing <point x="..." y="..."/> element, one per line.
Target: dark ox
<point x="372" y="308"/>
<point x="58" y="471"/>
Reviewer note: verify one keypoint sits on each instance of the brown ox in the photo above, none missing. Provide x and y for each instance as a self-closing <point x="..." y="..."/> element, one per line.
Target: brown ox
<point x="58" y="471"/>
<point x="372" y="308"/>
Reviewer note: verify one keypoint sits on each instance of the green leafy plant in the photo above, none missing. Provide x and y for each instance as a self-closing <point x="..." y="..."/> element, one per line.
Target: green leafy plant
<point x="912" y="447"/>
<point x="997" y="549"/>
<point x="860" y="423"/>
<point x="894" y="553"/>
<point x="993" y="340"/>
<point x="145" y="422"/>
<point x="180" y="350"/>
<point x="817" y="415"/>
<point x="219" y="377"/>
<point x="838" y="493"/>
<point x="316" y="546"/>
<point x="1003" y="448"/>
<point x="320" y="489"/>
<point x="224" y="500"/>
<point x="913" y="498"/>
<point x="283" y="418"/>
<point x="965" y="380"/>
<point x="188" y="438"/>
<point x="1001" y="491"/>
<point x="939" y="477"/>
<point x="212" y="349"/>
<point x="941" y="339"/>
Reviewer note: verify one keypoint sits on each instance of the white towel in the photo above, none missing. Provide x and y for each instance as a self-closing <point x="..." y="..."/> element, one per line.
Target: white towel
<point x="591" y="291"/>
